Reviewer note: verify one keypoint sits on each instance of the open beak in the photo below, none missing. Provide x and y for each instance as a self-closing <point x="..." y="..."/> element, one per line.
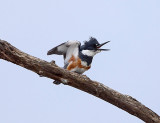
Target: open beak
<point x="100" y="45"/>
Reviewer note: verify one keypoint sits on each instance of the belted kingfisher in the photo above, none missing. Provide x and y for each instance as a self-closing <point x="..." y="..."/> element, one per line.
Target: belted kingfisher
<point x="78" y="58"/>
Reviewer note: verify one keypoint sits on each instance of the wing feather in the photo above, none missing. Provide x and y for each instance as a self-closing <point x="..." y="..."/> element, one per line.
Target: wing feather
<point x="66" y="49"/>
<point x="59" y="50"/>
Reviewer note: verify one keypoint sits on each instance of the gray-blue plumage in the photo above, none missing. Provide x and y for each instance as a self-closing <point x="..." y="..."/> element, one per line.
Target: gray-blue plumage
<point x="85" y="58"/>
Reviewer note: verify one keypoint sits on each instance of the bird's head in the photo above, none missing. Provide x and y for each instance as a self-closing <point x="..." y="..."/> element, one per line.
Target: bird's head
<point x="92" y="47"/>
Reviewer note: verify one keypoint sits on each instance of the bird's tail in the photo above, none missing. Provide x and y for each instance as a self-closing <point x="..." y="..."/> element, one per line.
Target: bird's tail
<point x="56" y="82"/>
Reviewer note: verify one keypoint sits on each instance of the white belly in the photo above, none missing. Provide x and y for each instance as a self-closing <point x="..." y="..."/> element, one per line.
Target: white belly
<point x="78" y="70"/>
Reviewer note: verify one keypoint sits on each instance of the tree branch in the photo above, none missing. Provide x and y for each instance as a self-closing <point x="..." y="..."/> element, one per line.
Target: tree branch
<point x="51" y="70"/>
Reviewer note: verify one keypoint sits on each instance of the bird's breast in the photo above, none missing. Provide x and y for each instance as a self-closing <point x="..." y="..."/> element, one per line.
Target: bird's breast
<point x="77" y="65"/>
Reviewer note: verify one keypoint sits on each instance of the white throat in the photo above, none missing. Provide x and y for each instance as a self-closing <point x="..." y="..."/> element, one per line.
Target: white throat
<point x="90" y="52"/>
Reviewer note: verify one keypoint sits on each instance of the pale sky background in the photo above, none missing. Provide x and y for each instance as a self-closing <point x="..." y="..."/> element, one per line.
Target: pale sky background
<point x="132" y="66"/>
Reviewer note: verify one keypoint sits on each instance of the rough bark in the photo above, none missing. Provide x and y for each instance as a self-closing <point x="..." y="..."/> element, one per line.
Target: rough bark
<point x="51" y="70"/>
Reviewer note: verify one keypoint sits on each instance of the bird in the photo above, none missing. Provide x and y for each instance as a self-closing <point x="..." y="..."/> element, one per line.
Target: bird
<point x="77" y="57"/>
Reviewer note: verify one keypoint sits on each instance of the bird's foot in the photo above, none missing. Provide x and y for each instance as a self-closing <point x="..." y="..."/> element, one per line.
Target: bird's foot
<point x="53" y="62"/>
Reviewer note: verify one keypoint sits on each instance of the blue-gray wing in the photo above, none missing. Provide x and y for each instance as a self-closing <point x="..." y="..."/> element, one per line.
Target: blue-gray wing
<point x="59" y="50"/>
<point x="66" y="49"/>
